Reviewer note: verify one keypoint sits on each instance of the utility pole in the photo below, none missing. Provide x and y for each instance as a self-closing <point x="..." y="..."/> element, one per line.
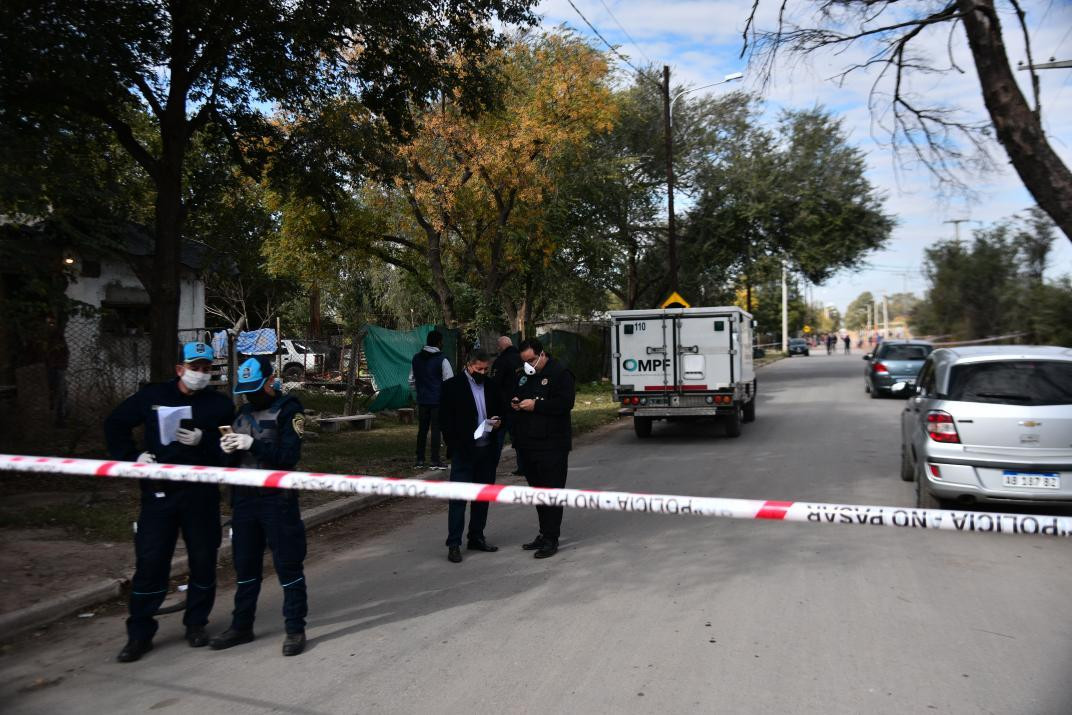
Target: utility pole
<point x="956" y="226"/>
<point x="785" y="314"/>
<point x="885" y="316"/>
<point x="671" y="237"/>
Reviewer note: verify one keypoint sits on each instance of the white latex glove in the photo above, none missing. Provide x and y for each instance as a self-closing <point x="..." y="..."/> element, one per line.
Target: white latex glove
<point x="146" y="458"/>
<point x="189" y="437"/>
<point x="232" y="442"/>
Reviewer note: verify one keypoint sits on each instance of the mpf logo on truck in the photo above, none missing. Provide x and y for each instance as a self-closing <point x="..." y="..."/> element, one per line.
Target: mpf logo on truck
<point x="631" y="365"/>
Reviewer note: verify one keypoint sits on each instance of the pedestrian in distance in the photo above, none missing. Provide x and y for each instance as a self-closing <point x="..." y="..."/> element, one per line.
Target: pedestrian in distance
<point x="469" y="415"/>
<point x="267" y="434"/>
<point x="170" y="508"/>
<point x="429" y="370"/>
<point x="504" y="373"/>
<point x="848" y="344"/>
<point x="542" y="401"/>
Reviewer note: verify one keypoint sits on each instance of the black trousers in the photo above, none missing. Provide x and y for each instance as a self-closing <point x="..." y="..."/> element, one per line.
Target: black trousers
<point x="479" y="468"/>
<point x="427" y="417"/>
<point x="268" y="517"/>
<point x="193" y="510"/>
<point x="546" y="468"/>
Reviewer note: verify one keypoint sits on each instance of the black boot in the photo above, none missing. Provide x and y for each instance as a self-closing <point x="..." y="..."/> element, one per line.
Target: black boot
<point x="294" y="643"/>
<point x="536" y="543"/>
<point x="454" y="554"/>
<point x="230" y="638"/>
<point x="196" y="636"/>
<point x="549" y="548"/>
<point x="134" y="650"/>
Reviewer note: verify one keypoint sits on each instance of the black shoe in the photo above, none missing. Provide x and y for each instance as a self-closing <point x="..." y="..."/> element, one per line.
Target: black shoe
<point x="134" y="650"/>
<point x="294" y="643"/>
<point x="196" y="636"/>
<point x="549" y="548"/>
<point x="481" y="546"/>
<point x="419" y="465"/>
<point x="454" y="554"/>
<point x="536" y="543"/>
<point x="230" y="638"/>
<point x="439" y="465"/>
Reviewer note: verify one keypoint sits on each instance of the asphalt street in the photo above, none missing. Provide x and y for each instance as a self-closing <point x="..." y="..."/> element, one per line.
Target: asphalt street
<point x="641" y="613"/>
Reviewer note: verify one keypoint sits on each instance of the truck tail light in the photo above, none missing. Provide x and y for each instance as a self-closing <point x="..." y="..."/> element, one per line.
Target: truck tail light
<point x="879" y="367"/>
<point x="940" y="427"/>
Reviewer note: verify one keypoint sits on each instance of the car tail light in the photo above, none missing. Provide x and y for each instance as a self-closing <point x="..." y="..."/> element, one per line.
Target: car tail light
<point x="636" y="400"/>
<point x="625" y="401"/>
<point x="940" y="427"/>
<point x="934" y="471"/>
<point x="879" y="367"/>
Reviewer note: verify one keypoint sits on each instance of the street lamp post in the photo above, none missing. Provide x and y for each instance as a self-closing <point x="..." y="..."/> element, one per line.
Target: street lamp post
<point x="668" y="113"/>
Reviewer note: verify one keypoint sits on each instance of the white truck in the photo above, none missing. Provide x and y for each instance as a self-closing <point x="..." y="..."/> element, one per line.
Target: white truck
<point x="684" y="363"/>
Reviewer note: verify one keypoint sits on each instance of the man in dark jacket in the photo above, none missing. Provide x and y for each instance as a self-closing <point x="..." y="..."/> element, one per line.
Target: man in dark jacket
<point x="504" y="372"/>
<point x="429" y="370"/>
<point x="542" y="432"/>
<point x="170" y="507"/>
<point x="267" y="435"/>
<point x="470" y="402"/>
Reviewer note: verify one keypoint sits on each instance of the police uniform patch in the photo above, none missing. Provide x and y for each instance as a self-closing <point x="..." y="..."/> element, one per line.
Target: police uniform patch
<point x="543" y="381"/>
<point x="299" y="424"/>
<point x="523" y="380"/>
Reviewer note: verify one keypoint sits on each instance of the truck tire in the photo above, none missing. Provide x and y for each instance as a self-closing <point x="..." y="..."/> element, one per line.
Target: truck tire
<point x="733" y="422"/>
<point x="749" y="411"/>
<point x="642" y="426"/>
<point x="293" y="372"/>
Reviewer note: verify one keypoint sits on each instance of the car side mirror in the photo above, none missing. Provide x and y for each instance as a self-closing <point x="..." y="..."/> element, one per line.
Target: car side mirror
<point x="867" y="357"/>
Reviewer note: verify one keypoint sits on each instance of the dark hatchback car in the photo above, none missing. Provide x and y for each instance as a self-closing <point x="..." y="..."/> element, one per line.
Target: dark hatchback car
<point x="894" y="361"/>
<point x="798" y="346"/>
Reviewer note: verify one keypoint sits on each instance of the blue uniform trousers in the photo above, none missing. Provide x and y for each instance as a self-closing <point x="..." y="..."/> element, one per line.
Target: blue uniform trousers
<point x="193" y="509"/>
<point x="268" y="517"/>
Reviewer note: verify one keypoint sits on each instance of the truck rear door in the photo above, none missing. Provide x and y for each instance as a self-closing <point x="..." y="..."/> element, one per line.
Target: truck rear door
<point x="705" y="346"/>
<point x="644" y="353"/>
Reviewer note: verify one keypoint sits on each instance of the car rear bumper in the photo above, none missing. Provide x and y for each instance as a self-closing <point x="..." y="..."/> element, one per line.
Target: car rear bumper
<point x="966" y="480"/>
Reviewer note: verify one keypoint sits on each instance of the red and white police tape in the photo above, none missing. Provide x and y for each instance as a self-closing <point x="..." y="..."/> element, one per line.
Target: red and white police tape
<point x="847" y="514"/>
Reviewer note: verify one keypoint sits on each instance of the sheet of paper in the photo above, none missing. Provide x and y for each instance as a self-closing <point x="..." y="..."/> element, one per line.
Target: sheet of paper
<point x="168" y="419"/>
<point x="482" y="429"/>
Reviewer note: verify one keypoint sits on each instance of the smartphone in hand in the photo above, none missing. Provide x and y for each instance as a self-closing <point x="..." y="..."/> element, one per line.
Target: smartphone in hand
<point x="226" y="430"/>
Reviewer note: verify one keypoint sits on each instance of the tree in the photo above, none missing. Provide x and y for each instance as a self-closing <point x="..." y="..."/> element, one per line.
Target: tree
<point x="936" y="136"/>
<point x="203" y="64"/>
<point x="856" y="315"/>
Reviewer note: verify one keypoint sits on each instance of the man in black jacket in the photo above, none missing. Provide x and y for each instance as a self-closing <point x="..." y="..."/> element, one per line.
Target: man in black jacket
<point x="469" y="414"/>
<point x="504" y="372"/>
<point x="542" y="432"/>
<point x="168" y="508"/>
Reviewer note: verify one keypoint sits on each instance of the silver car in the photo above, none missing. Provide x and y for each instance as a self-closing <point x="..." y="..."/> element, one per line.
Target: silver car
<point x="989" y="424"/>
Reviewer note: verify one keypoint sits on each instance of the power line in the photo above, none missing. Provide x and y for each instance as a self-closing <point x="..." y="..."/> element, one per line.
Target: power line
<point x="626" y="32"/>
<point x="611" y="47"/>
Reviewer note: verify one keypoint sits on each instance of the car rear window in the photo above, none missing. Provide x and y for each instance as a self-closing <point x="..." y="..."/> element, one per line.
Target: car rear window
<point x="1015" y="382"/>
<point x="905" y="352"/>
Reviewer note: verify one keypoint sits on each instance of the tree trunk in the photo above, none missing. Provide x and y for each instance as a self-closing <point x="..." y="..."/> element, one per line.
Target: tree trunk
<point x="164" y="287"/>
<point x="1017" y="127"/>
<point x="314" y="312"/>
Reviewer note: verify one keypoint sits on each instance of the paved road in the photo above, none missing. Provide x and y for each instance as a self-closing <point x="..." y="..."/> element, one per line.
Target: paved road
<point x="644" y="613"/>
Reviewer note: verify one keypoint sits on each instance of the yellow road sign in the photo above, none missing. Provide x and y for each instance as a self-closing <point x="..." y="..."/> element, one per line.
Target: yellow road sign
<point x="675" y="301"/>
<point x="807" y="328"/>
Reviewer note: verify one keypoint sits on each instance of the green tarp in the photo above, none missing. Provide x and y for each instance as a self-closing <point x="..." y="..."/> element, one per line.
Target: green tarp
<point x="389" y="354"/>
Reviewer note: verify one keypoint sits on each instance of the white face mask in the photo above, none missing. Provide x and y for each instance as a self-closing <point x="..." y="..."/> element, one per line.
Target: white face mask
<point x="195" y="380"/>
<point x="528" y="368"/>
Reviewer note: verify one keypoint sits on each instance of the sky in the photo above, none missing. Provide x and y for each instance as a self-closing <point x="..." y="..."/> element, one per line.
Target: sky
<point x="701" y="42"/>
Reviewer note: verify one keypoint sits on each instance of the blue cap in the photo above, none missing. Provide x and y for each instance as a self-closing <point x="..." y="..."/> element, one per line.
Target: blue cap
<point x="197" y="351"/>
<point x="253" y="373"/>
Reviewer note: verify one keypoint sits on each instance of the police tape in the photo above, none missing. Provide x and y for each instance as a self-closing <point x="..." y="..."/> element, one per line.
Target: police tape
<point x="805" y="512"/>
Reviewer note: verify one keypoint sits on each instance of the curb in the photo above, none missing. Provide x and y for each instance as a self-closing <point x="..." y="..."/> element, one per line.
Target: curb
<point x="45" y="612"/>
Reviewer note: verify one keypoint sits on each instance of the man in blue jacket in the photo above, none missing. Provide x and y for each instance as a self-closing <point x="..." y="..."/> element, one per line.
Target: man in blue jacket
<point x="429" y="369"/>
<point x="170" y="507"/>
<point x="267" y="435"/>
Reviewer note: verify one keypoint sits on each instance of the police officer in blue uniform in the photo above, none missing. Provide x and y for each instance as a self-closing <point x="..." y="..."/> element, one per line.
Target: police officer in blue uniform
<point x="168" y="508"/>
<point x="267" y="435"/>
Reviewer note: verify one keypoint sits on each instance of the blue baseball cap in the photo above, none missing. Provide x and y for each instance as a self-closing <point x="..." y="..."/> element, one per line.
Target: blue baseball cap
<point x="197" y="351"/>
<point x="252" y="374"/>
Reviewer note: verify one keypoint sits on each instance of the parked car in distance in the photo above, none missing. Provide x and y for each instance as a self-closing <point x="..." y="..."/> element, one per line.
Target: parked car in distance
<point x="990" y="424"/>
<point x="798" y="346"/>
<point x="299" y="359"/>
<point x="894" y="361"/>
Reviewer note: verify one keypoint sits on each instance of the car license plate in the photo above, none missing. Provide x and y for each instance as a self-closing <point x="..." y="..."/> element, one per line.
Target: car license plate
<point x="1034" y="480"/>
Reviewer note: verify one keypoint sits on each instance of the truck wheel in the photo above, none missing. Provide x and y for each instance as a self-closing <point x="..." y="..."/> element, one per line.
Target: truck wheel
<point x="749" y="412"/>
<point x="733" y="422"/>
<point x="642" y="426"/>
<point x="293" y="373"/>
